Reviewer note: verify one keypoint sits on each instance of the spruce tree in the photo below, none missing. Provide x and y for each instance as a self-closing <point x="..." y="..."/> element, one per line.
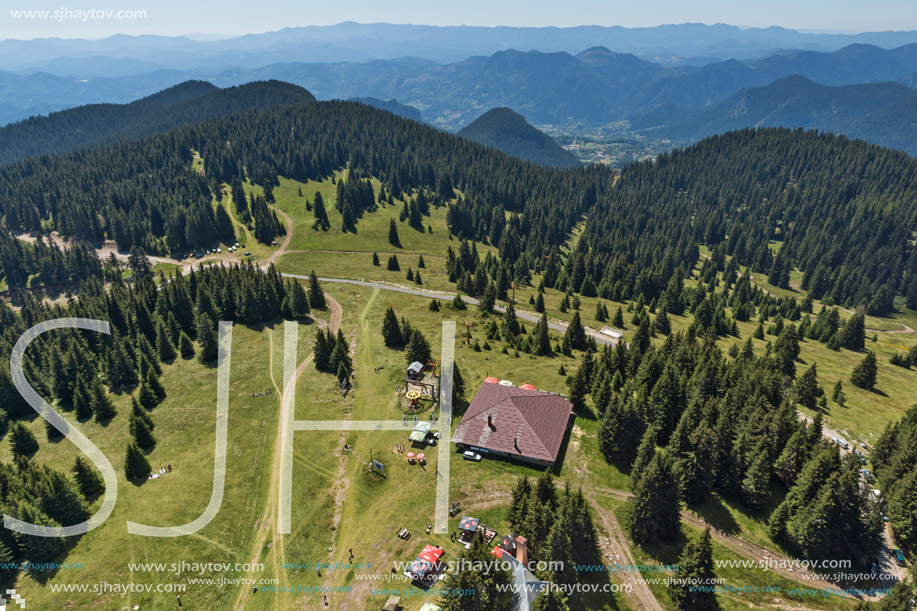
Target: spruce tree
<point x="375" y="259"/>
<point x="316" y="294"/>
<point x="542" y="339"/>
<point x="82" y="400"/>
<point x="655" y="513"/>
<point x="576" y="333"/>
<point x="434" y="305"/>
<point x="141" y="432"/>
<point x="695" y="588"/>
<point x="22" y="440"/>
<point x="807" y="389"/>
<point x="618" y="320"/>
<point x="299" y="301"/>
<point x="392" y="264"/>
<point x="417" y="349"/>
<point x="102" y="406"/>
<point x="164" y="347"/>
<point x="393" y="238"/>
<point x="207" y="337"/>
<point x="136" y="466"/>
<point x="391" y="331"/>
<point x="185" y="346"/>
<point x="38" y="549"/>
<point x="864" y="374"/>
<point x="147" y="396"/>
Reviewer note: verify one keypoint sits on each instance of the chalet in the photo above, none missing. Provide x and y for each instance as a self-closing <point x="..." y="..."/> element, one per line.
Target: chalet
<point x="514" y="422"/>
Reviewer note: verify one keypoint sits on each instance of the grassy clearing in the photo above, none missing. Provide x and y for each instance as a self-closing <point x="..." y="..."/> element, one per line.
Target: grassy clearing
<point x="185" y="432"/>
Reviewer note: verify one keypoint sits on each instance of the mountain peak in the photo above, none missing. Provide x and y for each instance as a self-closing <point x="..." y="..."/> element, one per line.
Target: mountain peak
<point x="505" y="129"/>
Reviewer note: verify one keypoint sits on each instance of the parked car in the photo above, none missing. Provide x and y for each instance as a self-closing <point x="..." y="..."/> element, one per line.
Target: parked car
<point x="248" y="254"/>
<point x="469" y="455"/>
<point x="899" y="557"/>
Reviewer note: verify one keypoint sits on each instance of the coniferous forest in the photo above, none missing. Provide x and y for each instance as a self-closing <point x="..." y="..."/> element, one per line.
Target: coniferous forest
<point x="681" y="418"/>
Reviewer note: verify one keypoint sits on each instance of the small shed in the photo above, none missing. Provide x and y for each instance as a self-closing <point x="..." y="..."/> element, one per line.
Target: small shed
<point x="414" y="369"/>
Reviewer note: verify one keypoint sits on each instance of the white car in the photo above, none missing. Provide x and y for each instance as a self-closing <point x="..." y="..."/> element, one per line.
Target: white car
<point x="219" y="250"/>
<point x="469" y="455"/>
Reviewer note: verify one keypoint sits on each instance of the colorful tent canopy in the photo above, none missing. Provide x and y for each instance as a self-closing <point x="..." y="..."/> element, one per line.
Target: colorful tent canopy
<point x="506" y="382"/>
<point x="497" y="551"/>
<point x="492" y="380"/>
<point x="430" y="553"/>
<point x="417" y="436"/>
<point x="469" y="524"/>
<point x="527" y="387"/>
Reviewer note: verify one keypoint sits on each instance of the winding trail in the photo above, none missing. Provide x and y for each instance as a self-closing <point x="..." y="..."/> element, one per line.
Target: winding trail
<point x="278" y="555"/>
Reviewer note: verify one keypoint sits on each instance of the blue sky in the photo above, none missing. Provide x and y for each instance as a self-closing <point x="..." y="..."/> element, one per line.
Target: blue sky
<point x="172" y="17"/>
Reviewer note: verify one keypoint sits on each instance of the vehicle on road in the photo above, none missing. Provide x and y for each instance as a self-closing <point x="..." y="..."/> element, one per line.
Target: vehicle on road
<point x="898" y="555"/>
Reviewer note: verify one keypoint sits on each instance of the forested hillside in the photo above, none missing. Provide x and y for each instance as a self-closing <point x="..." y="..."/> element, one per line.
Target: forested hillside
<point x="143" y="192"/>
<point x="504" y="129"/>
<point x="182" y="104"/>
<point x="842" y="212"/>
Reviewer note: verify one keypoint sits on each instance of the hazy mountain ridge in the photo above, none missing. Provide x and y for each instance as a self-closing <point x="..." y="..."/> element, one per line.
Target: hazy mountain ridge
<point x="94" y="124"/>
<point x="883" y="113"/>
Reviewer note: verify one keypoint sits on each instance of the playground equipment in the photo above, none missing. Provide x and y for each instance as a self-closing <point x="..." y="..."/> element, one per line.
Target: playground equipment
<point x="413" y="396"/>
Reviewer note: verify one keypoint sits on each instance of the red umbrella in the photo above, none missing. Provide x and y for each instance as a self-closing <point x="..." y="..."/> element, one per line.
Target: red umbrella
<point x="420" y="457"/>
<point x="410" y="455"/>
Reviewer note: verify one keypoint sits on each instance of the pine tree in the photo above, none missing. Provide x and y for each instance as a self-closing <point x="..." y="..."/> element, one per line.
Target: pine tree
<point x="807" y="389"/>
<point x="87" y="479"/>
<point x="645" y="453"/>
<point x="375" y="259"/>
<point x="82" y="400"/>
<point x="542" y="339"/>
<point x="164" y="347"/>
<point x="316" y="294"/>
<point x="420" y="262"/>
<point x="393" y="234"/>
<point x="185" y="346"/>
<point x="207" y="337"/>
<point x="392" y="264"/>
<point x="655" y="514"/>
<point x="147" y="396"/>
<point x="136" y="466"/>
<point x="299" y="301"/>
<point x="694" y="590"/>
<point x="576" y="333"/>
<point x="551" y="599"/>
<point x="618" y="320"/>
<point x="321" y="215"/>
<point x="102" y="406"/>
<point x="434" y="305"/>
<point x="757" y="479"/>
<point x="458" y="303"/>
<point x="141" y="432"/>
<point x="661" y="324"/>
<point x="391" y="331"/>
<point x="864" y="374"/>
<point x="417" y="349"/>
<point x="38" y="549"/>
<point x="22" y="440"/>
<point x="852" y="335"/>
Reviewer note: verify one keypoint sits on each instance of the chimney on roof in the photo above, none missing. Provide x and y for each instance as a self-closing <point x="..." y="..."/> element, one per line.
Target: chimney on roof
<point x="490" y="422"/>
<point x="522" y="552"/>
<point x="516" y="444"/>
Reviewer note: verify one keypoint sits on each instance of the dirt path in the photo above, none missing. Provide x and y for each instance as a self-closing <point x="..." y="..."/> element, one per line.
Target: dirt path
<point x="286" y="240"/>
<point x="776" y="562"/>
<point x="617" y="550"/>
<point x="278" y="550"/>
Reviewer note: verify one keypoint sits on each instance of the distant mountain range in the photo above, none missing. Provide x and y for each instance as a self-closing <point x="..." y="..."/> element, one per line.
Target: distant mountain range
<point x="883" y="113"/>
<point x="594" y="87"/>
<point x="504" y="129"/>
<point x="188" y="102"/>
<point x="358" y="42"/>
<point x="862" y="89"/>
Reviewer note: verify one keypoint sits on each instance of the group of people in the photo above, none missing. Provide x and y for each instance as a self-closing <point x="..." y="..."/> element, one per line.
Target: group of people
<point x="379" y="368"/>
<point x="162" y="471"/>
<point x="261" y="394"/>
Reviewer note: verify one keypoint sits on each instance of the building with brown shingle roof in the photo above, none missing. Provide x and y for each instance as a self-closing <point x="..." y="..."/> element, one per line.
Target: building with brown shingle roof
<point x="526" y="425"/>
